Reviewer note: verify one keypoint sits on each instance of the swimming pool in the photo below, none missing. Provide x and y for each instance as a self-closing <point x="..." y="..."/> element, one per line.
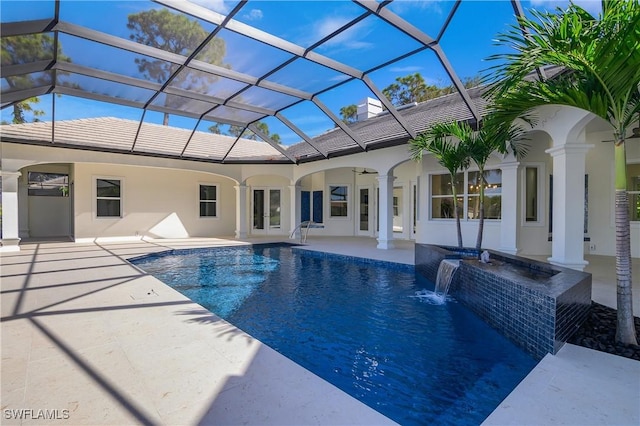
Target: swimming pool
<point x="358" y="325"/>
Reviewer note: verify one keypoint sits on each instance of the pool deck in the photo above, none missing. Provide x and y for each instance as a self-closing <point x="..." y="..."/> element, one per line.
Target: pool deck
<point x="91" y="339"/>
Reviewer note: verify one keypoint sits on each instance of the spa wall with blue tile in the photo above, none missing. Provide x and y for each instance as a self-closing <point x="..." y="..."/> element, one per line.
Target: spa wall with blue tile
<point x="536" y="305"/>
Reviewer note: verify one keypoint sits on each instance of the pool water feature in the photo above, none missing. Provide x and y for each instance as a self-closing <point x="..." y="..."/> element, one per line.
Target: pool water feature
<point x="445" y="275"/>
<point x="357" y="325"/>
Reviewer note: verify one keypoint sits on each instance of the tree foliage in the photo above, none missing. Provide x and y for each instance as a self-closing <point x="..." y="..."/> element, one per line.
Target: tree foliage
<point x="26" y="106"/>
<point x="349" y="114"/>
<point x="601" y="63"/>
<point x="451" y="155"/>
<point x="26" y="49"/>
<point x="238" y="131"/>
<point x="174" y="33"/>
<point x="413" y="88"/>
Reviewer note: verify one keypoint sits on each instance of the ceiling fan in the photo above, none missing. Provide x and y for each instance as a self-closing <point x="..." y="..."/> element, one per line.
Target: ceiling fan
<point x="635" y="133"/>
<point x="365" y="172"/>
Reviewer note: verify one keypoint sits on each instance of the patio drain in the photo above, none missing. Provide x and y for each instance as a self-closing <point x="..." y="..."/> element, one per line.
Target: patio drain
<point x="144" y="294"/>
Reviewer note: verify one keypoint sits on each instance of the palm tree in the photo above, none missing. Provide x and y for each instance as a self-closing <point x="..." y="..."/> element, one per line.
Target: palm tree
<point x="477" y="146"/>
<point x="494" y="135"/>
<point x="452" y="156"/>
<point x="601" y="59"/>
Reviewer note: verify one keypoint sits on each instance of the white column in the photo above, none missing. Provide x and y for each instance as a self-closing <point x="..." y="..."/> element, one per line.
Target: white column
<point x="509" y="209"/>
<point x="385" y="212"/>
<point x="10" y="229"/>
<point x="241" y="210"/>
<point x="294" y="211"/>
<point x="23" y="206"/>
<point x="567" y="248"/>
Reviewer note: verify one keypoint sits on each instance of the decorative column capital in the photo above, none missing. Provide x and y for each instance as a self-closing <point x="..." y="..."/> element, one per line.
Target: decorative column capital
<point x="569" y="148"/>
<point x="509" y="165"/>
<point x="9" y="174"/>
<point x="386" y="178"/>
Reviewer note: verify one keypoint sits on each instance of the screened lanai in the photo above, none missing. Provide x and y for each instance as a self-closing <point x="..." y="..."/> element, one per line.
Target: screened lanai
<point x="240" y="81"/>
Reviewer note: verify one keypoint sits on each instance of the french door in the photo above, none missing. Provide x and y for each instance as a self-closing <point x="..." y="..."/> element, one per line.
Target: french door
<point x="366" y="211"/>
<point x="266" y="211"/>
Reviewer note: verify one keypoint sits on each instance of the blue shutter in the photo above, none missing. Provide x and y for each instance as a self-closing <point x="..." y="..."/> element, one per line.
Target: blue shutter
<point x="317" y="206"/>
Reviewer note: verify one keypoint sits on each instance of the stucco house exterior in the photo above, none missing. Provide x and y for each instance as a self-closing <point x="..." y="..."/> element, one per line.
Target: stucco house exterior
<point x="104" y="180"/>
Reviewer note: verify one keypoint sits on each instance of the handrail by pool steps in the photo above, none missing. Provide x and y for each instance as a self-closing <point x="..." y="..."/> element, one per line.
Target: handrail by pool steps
<point x="307" y="224"/>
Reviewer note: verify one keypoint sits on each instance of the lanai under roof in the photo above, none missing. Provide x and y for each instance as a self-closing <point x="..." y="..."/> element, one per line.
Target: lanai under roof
<point x="288" y="64"/>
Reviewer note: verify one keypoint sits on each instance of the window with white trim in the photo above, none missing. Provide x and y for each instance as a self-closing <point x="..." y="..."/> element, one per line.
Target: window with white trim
<point x="492" y="182"/>
<point x="338" y="201"/>
<point x="208" y="200"/>
<point x="532" y="190"/>
<point x="108" y="198"/>
<point x="468" y="195"/>
<point x="531" y="194"/>
<point x="442" y="196"/>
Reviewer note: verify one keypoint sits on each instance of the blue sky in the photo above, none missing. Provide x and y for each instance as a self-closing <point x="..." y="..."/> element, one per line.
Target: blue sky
<point x="467" y="42"/>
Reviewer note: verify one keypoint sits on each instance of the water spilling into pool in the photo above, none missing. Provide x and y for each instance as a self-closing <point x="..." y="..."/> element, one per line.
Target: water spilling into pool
<point x="446" y="270"/>
<point x="369" y="329"/>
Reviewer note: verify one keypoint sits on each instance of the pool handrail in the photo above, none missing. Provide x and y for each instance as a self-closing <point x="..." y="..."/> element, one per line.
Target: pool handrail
<point x="307" y="224"/>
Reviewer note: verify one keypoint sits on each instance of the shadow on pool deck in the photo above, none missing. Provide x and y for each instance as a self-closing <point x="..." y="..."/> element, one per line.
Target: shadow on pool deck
<point x="89" y="336"/>
<point x="85" y="331"/>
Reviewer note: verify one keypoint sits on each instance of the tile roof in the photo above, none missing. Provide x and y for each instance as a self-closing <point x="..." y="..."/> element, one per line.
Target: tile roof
<point x="117" y="134"/>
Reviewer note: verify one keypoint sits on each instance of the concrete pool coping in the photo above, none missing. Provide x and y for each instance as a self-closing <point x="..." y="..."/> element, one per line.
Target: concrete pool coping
<point x="85" y="331"/>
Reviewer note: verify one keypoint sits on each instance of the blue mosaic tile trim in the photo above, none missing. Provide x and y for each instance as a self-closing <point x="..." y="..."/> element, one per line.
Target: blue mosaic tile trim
<point x="355" y="259"/>
<point x="536" y="305"/>
<point x="297" y="247"/>
<point x="521" y="314"/>
<point x="186" y="251"/>
<point x="572" y="308"/>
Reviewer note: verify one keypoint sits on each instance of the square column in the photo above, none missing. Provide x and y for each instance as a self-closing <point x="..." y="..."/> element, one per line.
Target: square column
<point x="241" y="211"/>
<point x="509" y="210"/>
<point x="385" y="212"/>
<point x="10" y="229"/>
<point x="567" y="248"/>
<point x="295" y="211"/>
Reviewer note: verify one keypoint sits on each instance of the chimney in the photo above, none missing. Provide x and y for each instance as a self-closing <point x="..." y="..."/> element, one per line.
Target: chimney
<point x="368" y="108"/>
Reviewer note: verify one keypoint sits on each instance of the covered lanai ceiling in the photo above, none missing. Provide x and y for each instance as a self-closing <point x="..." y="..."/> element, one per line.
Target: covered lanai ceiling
<point x="206" y="65"/>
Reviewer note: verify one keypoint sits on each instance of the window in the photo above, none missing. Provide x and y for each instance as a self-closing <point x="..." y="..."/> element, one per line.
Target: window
<point x="338" y="206"/>
<point x="442" y="196"/>
<point x="633" y="189"/>
<point x="468" y="194"/>
<point x="492" y="182"/>
<point x="311" y="206"/>
<point x="208" y="201"/>
<point x="531" y="194"/>
<point x="48" y="184"/>
<point x="108" y="198"/>
<point x="317" y="206"/>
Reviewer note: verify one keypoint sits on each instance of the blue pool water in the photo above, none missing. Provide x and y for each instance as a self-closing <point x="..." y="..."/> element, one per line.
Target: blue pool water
<point x="364" y="327"/>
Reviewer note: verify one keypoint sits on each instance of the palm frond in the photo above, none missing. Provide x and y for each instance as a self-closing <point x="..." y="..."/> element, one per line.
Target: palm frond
<point x="602" y="55"/>
<point x="450" y="154"/>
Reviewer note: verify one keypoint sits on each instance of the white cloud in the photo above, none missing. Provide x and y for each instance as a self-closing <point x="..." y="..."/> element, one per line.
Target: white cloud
<point x="215" y="5"/>
<point x="350" y="39"/>
<point x="339" y="77"/>
<point x="254" y="15"/>
<point x="328" y="25"/>
<point x="406" y="69"/>
<point x="408" y="6"/>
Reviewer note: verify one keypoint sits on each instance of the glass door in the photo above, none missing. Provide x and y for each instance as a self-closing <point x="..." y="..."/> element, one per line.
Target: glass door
<point x="365" y="211"/>
<point x="267" y="208"/>
<point x="398" y="211"/>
